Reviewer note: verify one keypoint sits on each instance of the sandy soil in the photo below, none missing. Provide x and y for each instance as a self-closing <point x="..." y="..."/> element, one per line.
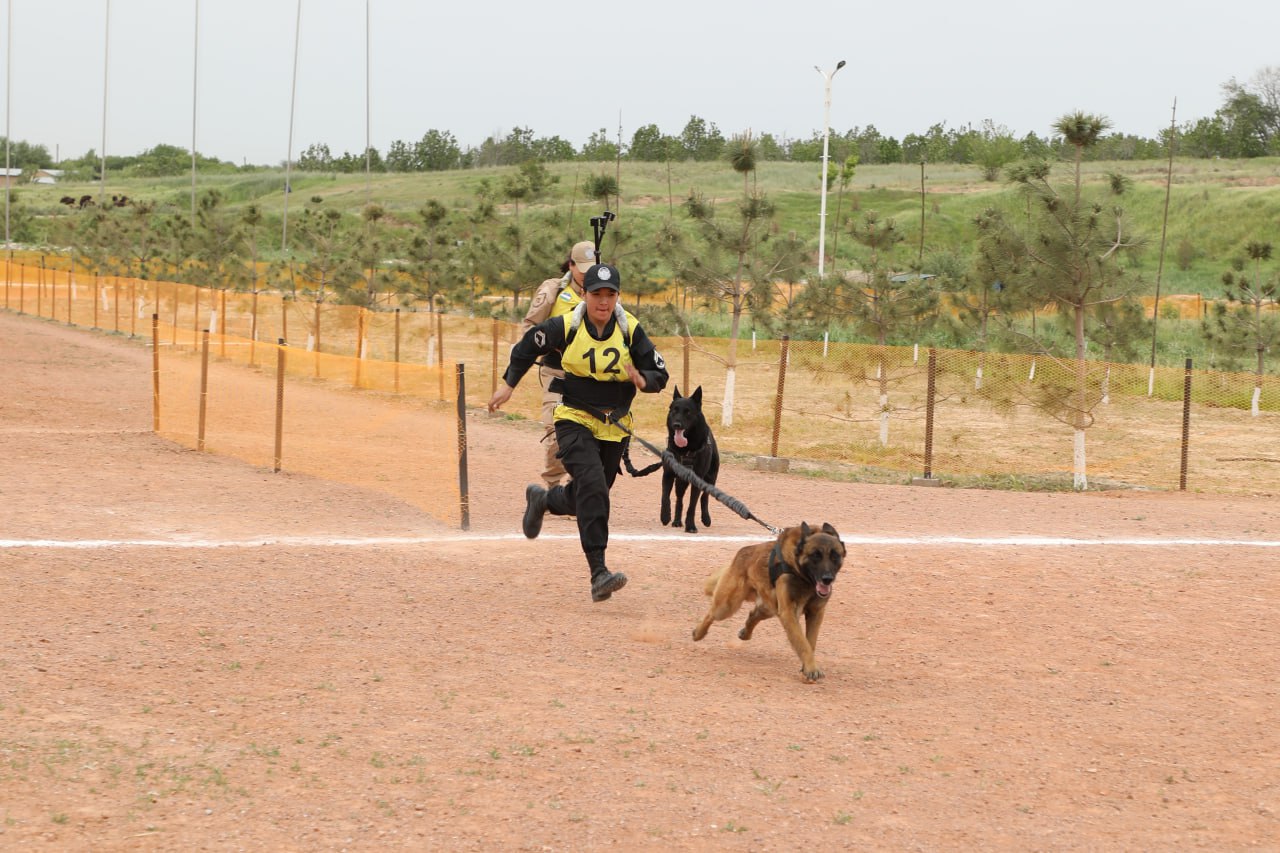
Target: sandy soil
<point x="196" y="654"/>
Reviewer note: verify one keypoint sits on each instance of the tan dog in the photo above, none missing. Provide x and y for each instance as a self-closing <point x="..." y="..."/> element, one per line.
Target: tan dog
<point x="786" y="577"/>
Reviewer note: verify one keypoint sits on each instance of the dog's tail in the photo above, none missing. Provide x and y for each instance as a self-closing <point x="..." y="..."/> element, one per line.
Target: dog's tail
<point x="631" y="469"/>
<point x="709" y="587"/>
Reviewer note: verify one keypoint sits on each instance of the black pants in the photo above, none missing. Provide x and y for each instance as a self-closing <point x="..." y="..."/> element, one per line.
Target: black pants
<point x="593" y="465"/>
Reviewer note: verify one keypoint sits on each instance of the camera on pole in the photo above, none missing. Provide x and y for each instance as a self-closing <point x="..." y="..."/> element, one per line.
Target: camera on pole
<point x="598" y="225"/>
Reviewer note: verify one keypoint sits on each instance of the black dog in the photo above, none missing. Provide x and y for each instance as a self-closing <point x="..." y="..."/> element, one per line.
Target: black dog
<point x="690" y="441"/>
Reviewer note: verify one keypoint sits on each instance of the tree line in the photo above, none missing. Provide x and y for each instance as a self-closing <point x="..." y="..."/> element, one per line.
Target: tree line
<point x="1051" y="241"/>
<point x="1247" y="124"/>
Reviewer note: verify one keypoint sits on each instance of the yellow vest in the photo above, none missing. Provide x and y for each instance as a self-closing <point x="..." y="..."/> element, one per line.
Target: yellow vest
<point x="566" y="301"/>
<point x="602" y="361"/>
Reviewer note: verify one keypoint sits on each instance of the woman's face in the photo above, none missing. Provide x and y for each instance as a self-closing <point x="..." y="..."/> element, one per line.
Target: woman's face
<point x="600" y="304"/>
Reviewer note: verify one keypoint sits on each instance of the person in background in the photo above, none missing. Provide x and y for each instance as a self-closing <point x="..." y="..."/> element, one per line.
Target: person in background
<point x="606" y="357"/>
<point x="554" y="297"/>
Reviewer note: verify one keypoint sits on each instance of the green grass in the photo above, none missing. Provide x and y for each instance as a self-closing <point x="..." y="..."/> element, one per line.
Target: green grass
<point x="1216" y="207"/>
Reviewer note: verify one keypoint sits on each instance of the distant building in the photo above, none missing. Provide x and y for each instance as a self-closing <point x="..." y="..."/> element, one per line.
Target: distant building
<point x="47" y="176"/>
<point x="9" y="177"/>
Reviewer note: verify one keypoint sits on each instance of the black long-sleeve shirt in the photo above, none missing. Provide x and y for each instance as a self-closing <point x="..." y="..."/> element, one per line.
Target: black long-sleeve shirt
<point x="579" y="386"/>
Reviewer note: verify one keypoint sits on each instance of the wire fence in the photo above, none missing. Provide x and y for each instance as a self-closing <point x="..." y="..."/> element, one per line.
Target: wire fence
<point x="850" y="409"/>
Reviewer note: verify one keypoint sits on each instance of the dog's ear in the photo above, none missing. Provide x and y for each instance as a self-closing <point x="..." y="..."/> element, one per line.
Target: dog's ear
<point x="796" y="541"/>
<point x="696" y="396"/>
<point x="831" y="531"/>
<point x="677" y="394"/>
<point x="789" y="544"/>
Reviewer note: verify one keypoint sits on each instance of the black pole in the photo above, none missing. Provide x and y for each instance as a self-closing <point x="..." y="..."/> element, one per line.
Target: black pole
<point x="463" y="489"/>
<point x="928" y="414"/>
<point x="598" y="225"/>
<point x="1186" y="426"/>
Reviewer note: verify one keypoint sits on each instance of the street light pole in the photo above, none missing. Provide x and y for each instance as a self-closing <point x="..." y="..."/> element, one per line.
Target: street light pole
<point x="826" y="137"/>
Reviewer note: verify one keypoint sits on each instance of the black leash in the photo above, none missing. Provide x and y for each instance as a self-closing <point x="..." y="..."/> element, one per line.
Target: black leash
<point x="669" y="460"/>
<point x="631" y="469"/>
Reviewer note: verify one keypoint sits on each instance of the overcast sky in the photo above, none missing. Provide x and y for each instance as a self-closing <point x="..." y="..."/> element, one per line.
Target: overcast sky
<point x="478" y="68"/>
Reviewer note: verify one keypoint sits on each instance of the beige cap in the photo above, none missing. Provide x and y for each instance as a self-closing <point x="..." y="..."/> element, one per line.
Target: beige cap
<point x="583" y="255"/>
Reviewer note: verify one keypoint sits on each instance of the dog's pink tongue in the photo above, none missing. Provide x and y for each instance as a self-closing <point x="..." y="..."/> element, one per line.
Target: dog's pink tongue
<point x="680" y="440"/>
<point x="824" y="589"/>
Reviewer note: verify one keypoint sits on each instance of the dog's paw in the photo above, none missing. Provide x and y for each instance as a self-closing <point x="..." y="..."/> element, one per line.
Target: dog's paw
<point x="811" y="675"/>
<point x="665" y="517"/>
<point x="744" y="634"/>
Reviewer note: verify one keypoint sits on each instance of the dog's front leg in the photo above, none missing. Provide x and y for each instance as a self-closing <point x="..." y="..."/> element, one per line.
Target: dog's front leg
<point x="668" y="480"/>
<point x="812" y="622"/>
<point x="789" y="616"/>
<point x="691" y="514"/>
<point x="676" y="521"/>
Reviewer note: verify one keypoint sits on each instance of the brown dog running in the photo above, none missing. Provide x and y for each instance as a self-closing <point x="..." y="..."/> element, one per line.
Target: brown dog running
<point x="785" y="578"/>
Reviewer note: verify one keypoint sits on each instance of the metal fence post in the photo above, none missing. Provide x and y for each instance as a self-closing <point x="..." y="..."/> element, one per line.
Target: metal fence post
<point x="463" y="487"/>
<point x="440" y="349"/>
<point x="397" y="352"/>
<point x="928" y="416"/>
<point x="1186" y="426"/>
<point x="685" y="346"/>
<point x="493" y="381"/>
<point x="280" y="366"/>
<point x="777" y="400"/>
<point x="204" y="387"/>
<point x="359" y="344"/>
<point x="155" y="373"/>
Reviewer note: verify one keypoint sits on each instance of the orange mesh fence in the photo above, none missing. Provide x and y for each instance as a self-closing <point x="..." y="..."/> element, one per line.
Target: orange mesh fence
<point x="841" y="405"/>
<point x="403" y="444"/>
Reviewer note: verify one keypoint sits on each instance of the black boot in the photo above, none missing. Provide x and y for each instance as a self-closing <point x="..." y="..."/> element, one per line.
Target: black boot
<point x="604" y="583"/>
<point x="535" y="507"/>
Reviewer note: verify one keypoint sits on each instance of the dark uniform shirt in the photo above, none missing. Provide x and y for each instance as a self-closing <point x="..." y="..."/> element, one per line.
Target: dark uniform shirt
<point x="595" y="380"/>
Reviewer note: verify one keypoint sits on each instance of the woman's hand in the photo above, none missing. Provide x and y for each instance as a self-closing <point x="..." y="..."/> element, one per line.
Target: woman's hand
<point x="637" y="378"/>
<point x="500" y="396"/>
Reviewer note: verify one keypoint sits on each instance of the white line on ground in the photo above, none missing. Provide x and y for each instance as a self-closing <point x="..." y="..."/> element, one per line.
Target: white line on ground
<point x="393" y="541"/>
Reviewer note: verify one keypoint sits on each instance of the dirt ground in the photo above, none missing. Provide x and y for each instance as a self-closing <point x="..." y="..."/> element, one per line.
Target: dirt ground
<point x="196" y="654"/>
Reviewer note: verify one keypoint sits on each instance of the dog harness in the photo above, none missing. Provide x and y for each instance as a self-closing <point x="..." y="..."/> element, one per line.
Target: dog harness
<point x="778" y="566"/>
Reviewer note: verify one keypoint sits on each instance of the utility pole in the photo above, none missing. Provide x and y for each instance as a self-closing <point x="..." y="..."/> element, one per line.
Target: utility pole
<point x="826" y="137"/>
